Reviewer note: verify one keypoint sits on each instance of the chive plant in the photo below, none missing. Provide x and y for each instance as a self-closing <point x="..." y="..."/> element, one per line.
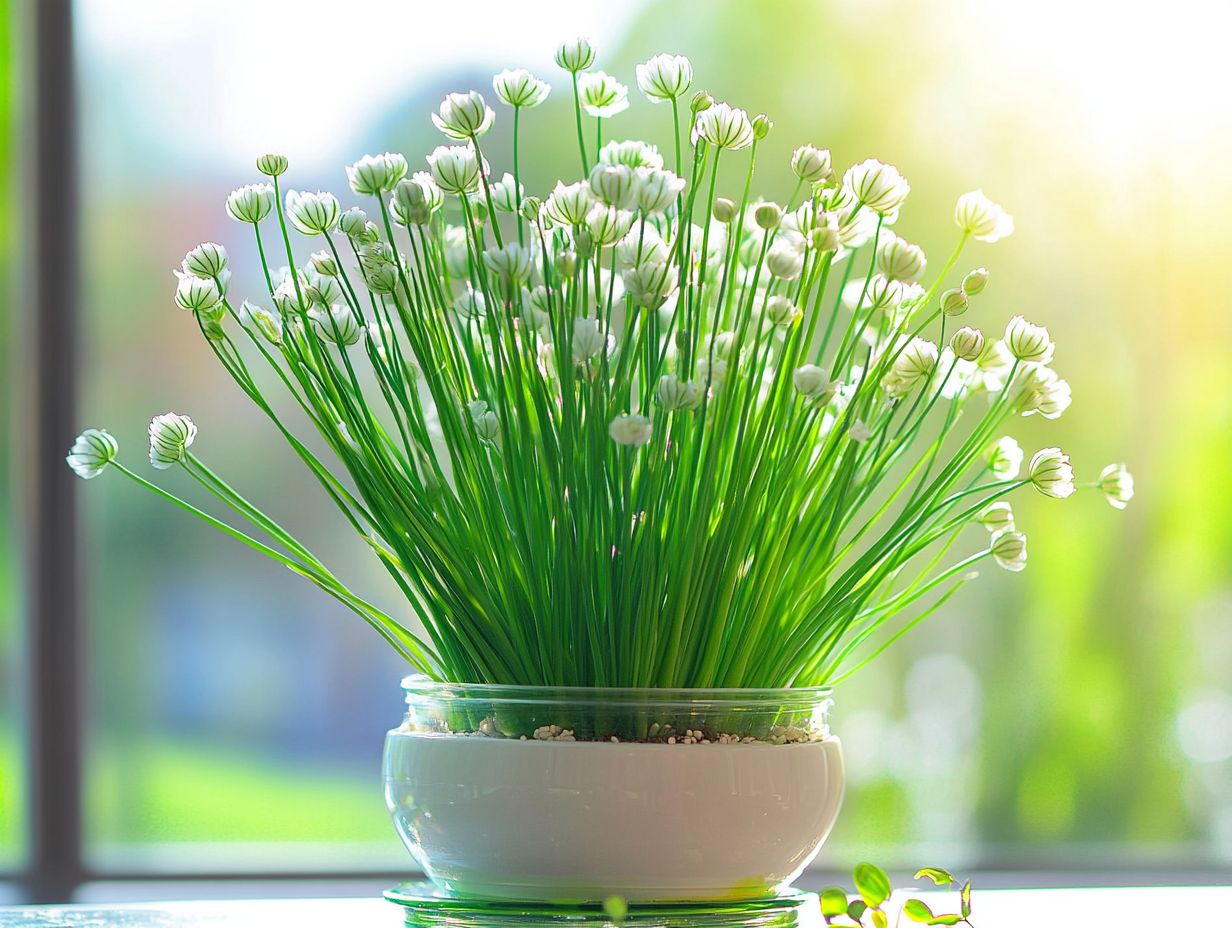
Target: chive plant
<point x="634" y="433"/>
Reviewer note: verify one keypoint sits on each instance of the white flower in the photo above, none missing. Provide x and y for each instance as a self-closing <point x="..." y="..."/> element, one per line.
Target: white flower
<point x="272" y="165"/>
<point x="981" y="218"/>
<point x="339" y="326"/>
<point x="455" y="168"/>
<point x="170" y="436"/>
<point x="998" y="517"/>
<point x="568" y="205"/>
<point x="967" y="343"/>
<point x="898" y="259"/>
<point x="607" y="224"/>
<point x="588" y="340"/>
<point x="914" y="364"/>
<point x="208" y="260"/>
<point x="673" y="394"/>
<point x="1005" y="458"/>
<point x="312" y="213"/>
<point x="785" y="261"/>
<point x="859" y="432"/>
<point x="93" y="450"/>
<point x="1045" y="393"/>
<point x="250" y="203"/>
<point x="463" y="115"/>
<point x="602" y="95"/>
<point x="518" y="87"/>
<point x="324" y="263"/>
<point x="995" y="364"/>
<point x="1028" y="342"/>
<point x="811" y="164"/>
<point x="376" y="174"/>
<point x="814" y="383"/>
<point x="511" y="263"/>
<point x="781" y="311"/>
<point x="632" y="153"/>
<point x="615" y="185"/>
<point x="650" y="283"/>
<point x="665" y="77"/>
<point x="656" y="190"/>
<point x="642" y="245"/>
<point x="630" y="430"/>
<point x="267" y="323"/>
<point x="197" y="294"/>
<point x="1117" y="485"/>
<point x="486" y="424"/>
<point x="723" y="127"/>
<point x="575" y="55"/>
<point x="878" y="186"/>
<point x="471" y="304"/>
<point x="1051" y="473"/>
<point x="506" y="194"/>
<point x="1009" y="549"/>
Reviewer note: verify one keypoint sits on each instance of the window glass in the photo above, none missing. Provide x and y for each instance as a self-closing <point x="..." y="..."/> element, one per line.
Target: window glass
<point x="1076" y="712"/>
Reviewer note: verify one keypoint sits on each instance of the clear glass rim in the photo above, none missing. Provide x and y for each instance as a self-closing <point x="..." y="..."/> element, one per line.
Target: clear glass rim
<point x="417" y="686"/>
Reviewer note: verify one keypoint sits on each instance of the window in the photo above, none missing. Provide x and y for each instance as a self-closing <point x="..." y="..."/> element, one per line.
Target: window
<point x="1077" y="715"/>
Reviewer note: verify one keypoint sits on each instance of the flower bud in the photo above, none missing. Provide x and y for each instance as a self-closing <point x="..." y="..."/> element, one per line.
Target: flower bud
<point x="312" y="213"/>
<point x="812" y="165"/>
<point x="701" y="101"/>
<point x="898" y="259"/>
<point x="566" y="263"/>
<point x="954" y="302"/>
<point x="665" y="77"/>
<point x="630" y="430"/>
<point x="267" y="323"/>
<point x="998" y="517"/>
<point x="878" y="186"/>
<point x="250" y="203"/>
<point x="463" y="115"/>
<point x="377" y="174"/>
<point x="781" y="311"/>
<point x="761" y="126"/>
<point x="588" y="340"/>
<point x="324" y="263"/>
<point x="208" y="260"/>
<point x="767" y="215"/>
<point x="1051" y="473"/>
<point x="1028" y="342"/>
<point x="338" y="325"/>
<point x="1117" y="485"/>
<point x="674" y="394"/>
<point x="975" y="281"/>
<point x="529" y="209"/>
<point x="353" y="222"/>
<point x="967" y="343"/>
<point x="724" y="210"/>
<point x="575" y="55"/>
<point x="197" y="294"/>
<point x="93" y="450"/>
<point x="1009" y="549"/>
<point x="785" y="261"/>
<point x="170" y="437"/>
<point x="272" y="165"/>
<point x="814" y="383"/>
<point x="511" y="264"/>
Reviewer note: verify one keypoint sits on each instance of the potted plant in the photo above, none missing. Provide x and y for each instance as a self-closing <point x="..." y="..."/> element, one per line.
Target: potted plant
<point x="655" y="469"/>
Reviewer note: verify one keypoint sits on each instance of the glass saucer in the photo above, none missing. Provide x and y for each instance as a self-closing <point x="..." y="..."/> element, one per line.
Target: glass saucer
<point x="427" y="907"/>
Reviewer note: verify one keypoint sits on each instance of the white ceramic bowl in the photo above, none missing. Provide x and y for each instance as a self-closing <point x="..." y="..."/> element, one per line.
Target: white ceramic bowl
<point x="506" y="818"/>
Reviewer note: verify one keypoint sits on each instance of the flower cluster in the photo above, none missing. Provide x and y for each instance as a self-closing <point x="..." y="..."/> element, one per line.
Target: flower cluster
<point x="627" y="428"/>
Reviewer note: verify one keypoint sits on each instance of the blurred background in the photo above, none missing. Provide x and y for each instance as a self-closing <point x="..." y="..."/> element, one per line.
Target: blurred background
<point x="1072" y="722"/>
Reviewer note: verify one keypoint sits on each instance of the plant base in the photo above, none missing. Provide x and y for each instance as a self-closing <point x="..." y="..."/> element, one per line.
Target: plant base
<point x="427" y="907"/>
